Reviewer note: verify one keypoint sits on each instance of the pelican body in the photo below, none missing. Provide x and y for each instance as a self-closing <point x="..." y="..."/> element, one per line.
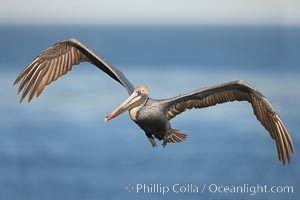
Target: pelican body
<point x="151" y="115"/>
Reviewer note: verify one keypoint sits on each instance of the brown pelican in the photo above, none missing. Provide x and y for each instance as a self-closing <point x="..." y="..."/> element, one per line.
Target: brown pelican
<point x="151" y="115"/>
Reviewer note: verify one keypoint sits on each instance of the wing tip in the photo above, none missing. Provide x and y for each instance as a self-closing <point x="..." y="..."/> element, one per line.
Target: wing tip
<point x="15" y="82"/>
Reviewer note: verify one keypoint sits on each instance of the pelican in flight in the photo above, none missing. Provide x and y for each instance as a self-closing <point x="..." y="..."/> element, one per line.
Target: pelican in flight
<point x="151" y="115"/>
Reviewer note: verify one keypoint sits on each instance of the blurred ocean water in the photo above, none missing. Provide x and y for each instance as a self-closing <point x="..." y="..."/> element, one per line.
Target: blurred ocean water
<point x="58" y="146"/>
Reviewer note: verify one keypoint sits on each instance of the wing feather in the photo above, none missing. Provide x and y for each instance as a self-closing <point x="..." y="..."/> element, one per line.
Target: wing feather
<point x="43" y="82"/>
<point x="236" y="91"/>
<point x="56" y="61"/>
<point x="35" y="83"/>
<point x="51" y="71"/>
<point x="39" y="82"/>
<point x="30" y="82"/>
<point x="26" y="76"/>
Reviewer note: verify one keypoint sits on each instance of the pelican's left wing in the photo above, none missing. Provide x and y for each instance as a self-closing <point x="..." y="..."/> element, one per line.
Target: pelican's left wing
<point x="236" y="91"/>
<point x="56" y="61"/>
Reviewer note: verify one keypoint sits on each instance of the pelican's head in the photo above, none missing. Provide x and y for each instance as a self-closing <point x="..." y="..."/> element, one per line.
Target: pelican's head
<point x="136" y="100"/>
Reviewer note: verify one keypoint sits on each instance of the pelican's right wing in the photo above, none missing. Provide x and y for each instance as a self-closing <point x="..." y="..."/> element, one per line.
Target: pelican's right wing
<point x="236" y="91"/>
<point x="56" y="61"/>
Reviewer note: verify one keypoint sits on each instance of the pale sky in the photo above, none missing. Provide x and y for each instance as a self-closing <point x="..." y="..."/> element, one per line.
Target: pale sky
<point x="286" y="12"/>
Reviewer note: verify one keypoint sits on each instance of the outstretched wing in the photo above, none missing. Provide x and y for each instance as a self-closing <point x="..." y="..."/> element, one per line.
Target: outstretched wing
<point x="56" y="61"/>
<point x="236" y="91"/>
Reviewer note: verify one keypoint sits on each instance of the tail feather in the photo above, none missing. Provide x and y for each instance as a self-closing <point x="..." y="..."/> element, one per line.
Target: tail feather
<point x="176" y="136"/>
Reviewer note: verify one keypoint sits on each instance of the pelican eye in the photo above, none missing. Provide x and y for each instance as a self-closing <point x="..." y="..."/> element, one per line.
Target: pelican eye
<point x="141" y="92"/>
